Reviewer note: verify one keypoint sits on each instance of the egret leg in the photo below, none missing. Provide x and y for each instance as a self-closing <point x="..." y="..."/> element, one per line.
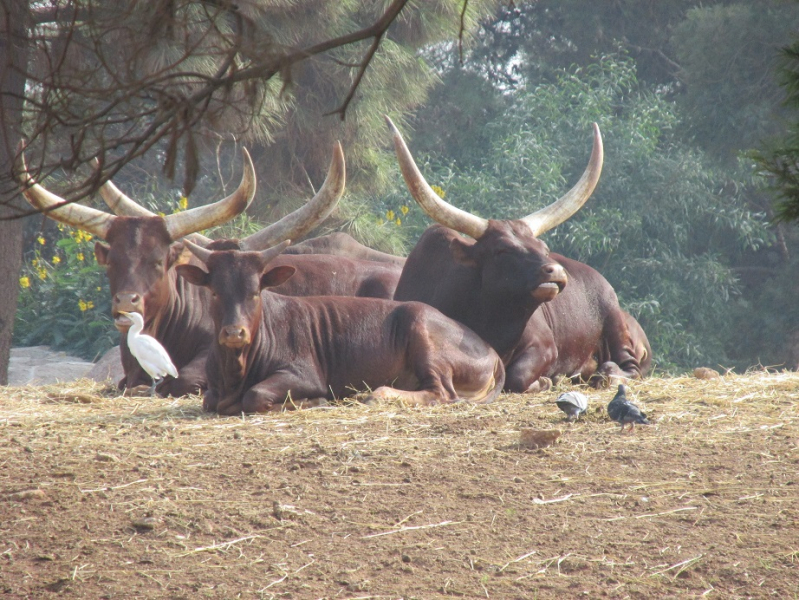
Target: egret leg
<point x="155" y="383"/>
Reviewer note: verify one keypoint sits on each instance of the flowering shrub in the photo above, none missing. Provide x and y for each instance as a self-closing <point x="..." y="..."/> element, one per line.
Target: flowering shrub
<point x="64" y="300"/>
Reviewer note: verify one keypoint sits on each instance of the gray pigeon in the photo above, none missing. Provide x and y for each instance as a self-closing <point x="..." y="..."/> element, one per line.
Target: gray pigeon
<point x="623" y="411"/>
<point x="573" y="404"/>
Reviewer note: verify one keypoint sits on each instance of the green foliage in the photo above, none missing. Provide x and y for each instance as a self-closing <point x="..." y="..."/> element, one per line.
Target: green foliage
<point x="64" y="300"/>
<point x="396" y="81"/>
<point x="665" y="226"/>
<point x="778" y="158"/>
<point x="728" y="57"/>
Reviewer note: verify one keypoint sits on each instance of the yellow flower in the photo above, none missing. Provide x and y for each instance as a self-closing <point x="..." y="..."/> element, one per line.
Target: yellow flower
<point x="161" y="213"/>
<point x="42" y="273"/>
<point x="40" y="239"/>
<point x="99" y="289"/>
<point x="183" y="203"/>
<point x="35" y="262"/>
<point x="24" y="282"/>
<point x="390" y="215"/>
<point x="90" y="304"/>
<point x="82" y="236"/>
<point x="398" y="222"/>
<point x="56" y="260"/>
<point x="438" y="190"/>
<point x="404" y="209"/>
<point x="80" y="256"/>
<point x="380" y="221"/>
<point x="82" y="306"/>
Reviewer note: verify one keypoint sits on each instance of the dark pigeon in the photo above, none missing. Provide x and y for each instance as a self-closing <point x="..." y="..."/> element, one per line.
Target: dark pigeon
<point x="623" y="411"/>
<point x="573" y="404"/>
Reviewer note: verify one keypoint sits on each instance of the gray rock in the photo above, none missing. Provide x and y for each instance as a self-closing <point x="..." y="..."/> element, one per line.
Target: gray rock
<point x="39" y="365"/>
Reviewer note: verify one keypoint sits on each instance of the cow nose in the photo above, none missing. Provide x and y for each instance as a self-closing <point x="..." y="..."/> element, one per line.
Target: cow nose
<point x="234" y="336"/>
<point x="554" y="270"/>
<point x="128" y="301"/>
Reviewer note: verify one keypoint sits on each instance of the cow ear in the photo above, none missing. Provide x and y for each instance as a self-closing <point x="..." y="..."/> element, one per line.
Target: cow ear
<point x="463" y="252"/>
<point x="276" y="276"/>
<point x="179" y="254"/>
<point x="101" y="251"/>
<point x="193" y="274"/>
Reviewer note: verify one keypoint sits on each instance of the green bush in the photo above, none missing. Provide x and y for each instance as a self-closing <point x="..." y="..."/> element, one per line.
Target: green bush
<point x="64" y="300"/>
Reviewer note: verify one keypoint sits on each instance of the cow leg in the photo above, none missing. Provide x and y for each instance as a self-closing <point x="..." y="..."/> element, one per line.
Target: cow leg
<point x="525" y="372"/>
<point x="210" y="400"/>
<point x="280" y="391"/>
<point x="418" y="398"/>
<point x="191" y="379"/>
<point x="449" y="361"/>
<point x="609" y="374"/>
<point x="623" y="363"/>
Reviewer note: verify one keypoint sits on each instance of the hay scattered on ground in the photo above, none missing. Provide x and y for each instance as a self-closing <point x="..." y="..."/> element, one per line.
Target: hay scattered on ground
<point x="104" y="495"/>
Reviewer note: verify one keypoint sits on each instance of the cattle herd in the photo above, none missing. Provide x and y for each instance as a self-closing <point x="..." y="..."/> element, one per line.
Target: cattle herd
<point x="256" y="324"/>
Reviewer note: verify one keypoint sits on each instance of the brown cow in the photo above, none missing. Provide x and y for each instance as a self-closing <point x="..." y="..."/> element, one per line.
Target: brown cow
<point x="274" y="351"/>
<point x="328" y="275"/>
<point x="343" y="244"/>
<point x="506" y="286"/>
<point x="140" y="253"/>
<point x="360" y="271"/>
<point x="611" y="375"/>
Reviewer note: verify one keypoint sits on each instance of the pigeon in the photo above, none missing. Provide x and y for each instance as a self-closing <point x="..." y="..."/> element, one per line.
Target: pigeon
<point x="573" y="404"/>
<point x="623" y="411"/>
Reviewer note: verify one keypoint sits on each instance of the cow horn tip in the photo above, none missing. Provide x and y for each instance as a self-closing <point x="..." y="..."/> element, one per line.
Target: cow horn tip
<point x="391" y="125"/>
<point x="338" y="152"/>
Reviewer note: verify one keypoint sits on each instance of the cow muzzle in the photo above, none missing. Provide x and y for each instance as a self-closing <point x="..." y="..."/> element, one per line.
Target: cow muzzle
<point x="127" y="302"/>
<point x="234" y="336"/>
<point x="554" y="280"/>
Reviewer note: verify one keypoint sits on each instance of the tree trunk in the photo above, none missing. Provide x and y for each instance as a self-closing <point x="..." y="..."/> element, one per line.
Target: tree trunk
<point x="13" y="64"/>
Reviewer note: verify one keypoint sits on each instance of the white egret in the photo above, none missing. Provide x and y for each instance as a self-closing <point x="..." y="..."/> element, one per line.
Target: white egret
<point x="152" y="356"/>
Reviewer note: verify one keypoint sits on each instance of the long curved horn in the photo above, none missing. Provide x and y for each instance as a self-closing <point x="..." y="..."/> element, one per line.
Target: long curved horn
<point x="556" y="213"/>
<point x="266" y="255"/>
<point x="86" y="218"/>
<point x="436" y="208"/>
<point x="117" y="201"/>
<point x="301" y="221"/>
<point x="202" y="253"/>
<point x="270" y="253"/>
<point x="203" y="217"/>
<point x="123" y="205"/>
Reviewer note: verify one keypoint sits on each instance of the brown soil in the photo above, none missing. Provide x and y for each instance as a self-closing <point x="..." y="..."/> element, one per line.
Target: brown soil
<point x="110" y="497"/>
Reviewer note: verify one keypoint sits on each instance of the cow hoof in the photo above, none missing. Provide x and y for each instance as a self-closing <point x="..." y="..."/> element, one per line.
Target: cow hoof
<point x="542" y="384"/>
<point x="136" y="391"/>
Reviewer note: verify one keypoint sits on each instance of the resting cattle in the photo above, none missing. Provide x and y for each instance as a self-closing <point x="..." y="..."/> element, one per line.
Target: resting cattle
<point x="342" y="244"/>
<point x="276" y="352"/>
<point x="546" y="315"/>
<point x="140" y="254"/>
<point x="335" y="265"/>
<point x="328" y="275"/>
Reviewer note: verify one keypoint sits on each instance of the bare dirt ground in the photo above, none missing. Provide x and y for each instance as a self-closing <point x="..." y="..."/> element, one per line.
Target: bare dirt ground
<point x="110" y="497"/>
